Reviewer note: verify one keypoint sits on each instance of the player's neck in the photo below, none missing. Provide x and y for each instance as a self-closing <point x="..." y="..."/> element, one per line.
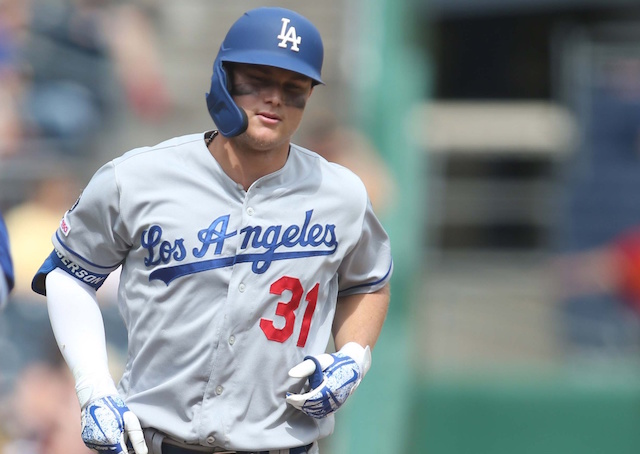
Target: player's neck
<point x="244" y="164"/>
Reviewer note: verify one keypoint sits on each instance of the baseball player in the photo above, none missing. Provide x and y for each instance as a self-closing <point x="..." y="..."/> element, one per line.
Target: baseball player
<point x="6" y="265"/>
<point x="241" y="255"/>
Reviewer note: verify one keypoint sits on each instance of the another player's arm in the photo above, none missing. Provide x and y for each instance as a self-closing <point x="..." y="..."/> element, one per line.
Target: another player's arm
<point x="6" y="265"/>
<point x="359" y="318"/>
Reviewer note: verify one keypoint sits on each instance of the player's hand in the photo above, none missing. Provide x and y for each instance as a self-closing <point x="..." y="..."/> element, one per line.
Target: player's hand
<point x="107" y="423"/>
<point x="333" y="377"/>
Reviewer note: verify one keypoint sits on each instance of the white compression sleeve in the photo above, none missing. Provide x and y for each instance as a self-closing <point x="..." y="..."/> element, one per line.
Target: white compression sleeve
<point x="78" y="327"/>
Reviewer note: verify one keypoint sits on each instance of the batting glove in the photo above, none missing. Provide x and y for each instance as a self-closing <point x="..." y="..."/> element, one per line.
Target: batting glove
<point x="105" y="423"/>
<point x="333" y="377"/>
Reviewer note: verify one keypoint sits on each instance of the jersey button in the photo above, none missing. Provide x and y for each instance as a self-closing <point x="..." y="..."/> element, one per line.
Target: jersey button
<point x="219" y="390"/>
<point x="232" y="340"/>
<point x="250" y="211"/>
<point x="211" y="439"/>
<point x="242" y="288"/>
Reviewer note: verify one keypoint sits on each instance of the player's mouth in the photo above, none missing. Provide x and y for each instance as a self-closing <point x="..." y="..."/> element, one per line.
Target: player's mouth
<point x="269" y="117"/>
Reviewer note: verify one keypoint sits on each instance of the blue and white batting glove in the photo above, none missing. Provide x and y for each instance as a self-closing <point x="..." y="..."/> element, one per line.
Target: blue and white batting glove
<point x="333" y="378"/>
<point x="105" y="423"/>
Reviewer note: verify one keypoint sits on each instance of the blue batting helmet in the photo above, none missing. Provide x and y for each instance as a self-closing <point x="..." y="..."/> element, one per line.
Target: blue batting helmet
<point x="263" y="36"/>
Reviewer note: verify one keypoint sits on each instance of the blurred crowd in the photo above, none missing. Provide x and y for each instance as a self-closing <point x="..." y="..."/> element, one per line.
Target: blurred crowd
<point x="65" y="65"/>
<point x="597" y="268"/>
<point x="68" y="69"/>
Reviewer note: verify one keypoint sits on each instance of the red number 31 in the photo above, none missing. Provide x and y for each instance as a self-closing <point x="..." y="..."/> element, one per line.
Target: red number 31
<point x="286" y="309"/>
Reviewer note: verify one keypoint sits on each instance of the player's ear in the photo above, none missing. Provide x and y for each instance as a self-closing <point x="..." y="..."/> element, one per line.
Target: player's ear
<point x="230" y="119"/>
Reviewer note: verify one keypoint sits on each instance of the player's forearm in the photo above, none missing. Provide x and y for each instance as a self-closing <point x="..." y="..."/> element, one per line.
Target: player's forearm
<point x="78" y="327"/>
<point x="359" y="318"/>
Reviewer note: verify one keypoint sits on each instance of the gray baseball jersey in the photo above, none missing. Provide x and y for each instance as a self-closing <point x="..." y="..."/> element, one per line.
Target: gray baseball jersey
<point x="223" y="290"/>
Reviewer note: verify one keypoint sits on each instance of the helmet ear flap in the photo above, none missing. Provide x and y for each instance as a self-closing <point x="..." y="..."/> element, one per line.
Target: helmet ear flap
<point x="230" y="119"/>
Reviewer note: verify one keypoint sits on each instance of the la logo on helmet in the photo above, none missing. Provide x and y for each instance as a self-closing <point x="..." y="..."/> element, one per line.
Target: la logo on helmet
<point x="288" y="36"/>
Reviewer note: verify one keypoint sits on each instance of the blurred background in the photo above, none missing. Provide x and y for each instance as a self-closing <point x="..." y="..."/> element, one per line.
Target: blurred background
<point x="499" y="141"/>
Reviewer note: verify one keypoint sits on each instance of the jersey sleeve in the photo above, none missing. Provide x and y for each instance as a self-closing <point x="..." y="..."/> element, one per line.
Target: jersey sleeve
<point x="368" y="266"/>
<point x="92" y="239"/>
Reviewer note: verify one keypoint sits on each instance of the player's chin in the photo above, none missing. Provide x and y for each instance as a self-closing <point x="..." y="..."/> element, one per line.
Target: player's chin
<point x="266" y="134"/>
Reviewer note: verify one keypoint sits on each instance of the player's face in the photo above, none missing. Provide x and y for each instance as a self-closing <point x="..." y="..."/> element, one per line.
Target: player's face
<point x="274" y="100"/>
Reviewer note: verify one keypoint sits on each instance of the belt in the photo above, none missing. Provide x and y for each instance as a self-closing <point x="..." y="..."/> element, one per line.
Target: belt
<point x="168" y="448"/>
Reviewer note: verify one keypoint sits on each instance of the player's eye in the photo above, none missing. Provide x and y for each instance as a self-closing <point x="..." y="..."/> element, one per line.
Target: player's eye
<point x="295" y="97"/>
<point x="295" y="88"/>
<point x="244" y="88"/>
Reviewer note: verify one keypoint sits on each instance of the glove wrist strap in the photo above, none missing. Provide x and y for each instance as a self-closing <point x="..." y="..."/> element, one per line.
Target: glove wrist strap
<point x="361" y="355"/>
<point x="93" y="386"/>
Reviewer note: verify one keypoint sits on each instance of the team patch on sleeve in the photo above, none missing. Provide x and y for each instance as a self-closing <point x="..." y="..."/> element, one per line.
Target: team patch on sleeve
<point x="65" y="226"/>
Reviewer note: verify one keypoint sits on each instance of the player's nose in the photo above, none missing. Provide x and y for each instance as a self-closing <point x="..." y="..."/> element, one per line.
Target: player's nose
<point x="273" y="94"/>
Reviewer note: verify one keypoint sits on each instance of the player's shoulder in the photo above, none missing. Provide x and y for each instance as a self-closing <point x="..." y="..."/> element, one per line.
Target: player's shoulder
<point x="155" y="153"/>
<point x="327" y="167"/>
<point x="334" y="175"/>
